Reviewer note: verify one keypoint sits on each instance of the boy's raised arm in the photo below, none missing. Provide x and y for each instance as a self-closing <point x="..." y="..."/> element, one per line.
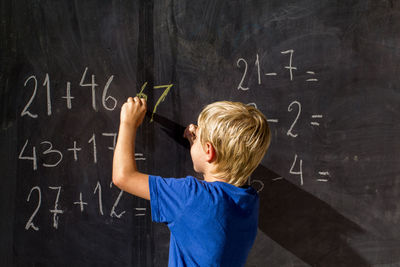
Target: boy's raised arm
<point x="125" y="174"/>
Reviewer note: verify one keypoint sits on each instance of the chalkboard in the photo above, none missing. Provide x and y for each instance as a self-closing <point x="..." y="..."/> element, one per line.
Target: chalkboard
<point x="325" y="73"/>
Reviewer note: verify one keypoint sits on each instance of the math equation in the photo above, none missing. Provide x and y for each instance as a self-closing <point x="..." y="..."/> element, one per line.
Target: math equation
<point x="295" y="107"/>
<point x="45" y="153"/>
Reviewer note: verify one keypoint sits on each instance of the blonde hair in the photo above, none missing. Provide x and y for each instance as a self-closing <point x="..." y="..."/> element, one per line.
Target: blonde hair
<point x="240" y="136"/>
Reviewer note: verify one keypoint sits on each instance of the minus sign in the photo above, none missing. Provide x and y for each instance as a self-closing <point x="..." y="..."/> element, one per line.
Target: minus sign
<point x="312" y="80"/>
<point x="276" y="179"/>
<point x="271" y="74"/>
<point x="140" y="158"/>
<point x="322" y="180"/>
<point x="140" y="214"/>
<point x="272" y="120"/>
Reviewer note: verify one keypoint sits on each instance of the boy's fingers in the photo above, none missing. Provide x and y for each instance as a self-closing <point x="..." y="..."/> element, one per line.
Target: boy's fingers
<point x="192" y="129"/>
<point x="186" y="133"/>
<point x="144" y="102"/>
<point x="140" y="101"/>
<point x="129" y="99"/>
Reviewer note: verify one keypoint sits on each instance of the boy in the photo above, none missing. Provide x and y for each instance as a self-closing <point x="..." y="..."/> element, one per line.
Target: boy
<point x="212" y="222"/>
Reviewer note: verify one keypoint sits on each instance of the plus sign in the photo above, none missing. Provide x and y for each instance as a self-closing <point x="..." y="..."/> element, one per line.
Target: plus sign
<point x="75" y="149"/>
<point x="80" y="202"/>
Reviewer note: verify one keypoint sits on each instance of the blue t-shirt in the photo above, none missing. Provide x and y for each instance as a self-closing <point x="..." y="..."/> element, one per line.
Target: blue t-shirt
<point x="211" y="223"/>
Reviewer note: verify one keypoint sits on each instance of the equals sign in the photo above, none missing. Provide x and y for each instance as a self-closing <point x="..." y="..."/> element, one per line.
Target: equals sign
<point x="140" y="210"/>
<point x="139" y="156"/>
<point x="312" y="79"/>
<point x="316" y="117"/>
<point x="323" y="174"/>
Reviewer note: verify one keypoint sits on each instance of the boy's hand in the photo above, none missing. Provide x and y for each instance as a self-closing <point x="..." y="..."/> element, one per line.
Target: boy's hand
<point x="190" y="133"/>
<point x="133" y="111"/>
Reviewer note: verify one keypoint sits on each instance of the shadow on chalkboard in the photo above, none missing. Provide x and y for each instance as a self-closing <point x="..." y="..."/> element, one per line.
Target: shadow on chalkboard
<point x="172" y="129"/>
<point x="305" y="225"/>
<point x="299" y="222"/>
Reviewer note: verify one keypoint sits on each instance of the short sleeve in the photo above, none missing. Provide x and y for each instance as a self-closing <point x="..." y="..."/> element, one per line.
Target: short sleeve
<point x="168" y="197"/>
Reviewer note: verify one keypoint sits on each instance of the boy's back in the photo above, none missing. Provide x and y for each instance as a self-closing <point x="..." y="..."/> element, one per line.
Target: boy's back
<point x="211" y="223"/>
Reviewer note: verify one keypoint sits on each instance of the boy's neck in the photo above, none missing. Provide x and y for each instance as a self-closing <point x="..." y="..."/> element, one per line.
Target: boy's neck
<point x="210" y="178"/>
<point x="209" y="171"/>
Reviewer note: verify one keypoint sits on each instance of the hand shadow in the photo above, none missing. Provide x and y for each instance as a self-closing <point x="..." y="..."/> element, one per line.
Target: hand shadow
<point x="172" y="129"/>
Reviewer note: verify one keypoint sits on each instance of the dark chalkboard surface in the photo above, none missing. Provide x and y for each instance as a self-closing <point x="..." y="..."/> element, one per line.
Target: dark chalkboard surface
<point x="326" y="74"/>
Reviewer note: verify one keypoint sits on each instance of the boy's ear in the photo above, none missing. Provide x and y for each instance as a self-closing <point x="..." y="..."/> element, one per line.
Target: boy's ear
<point x="210" y="152"/>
